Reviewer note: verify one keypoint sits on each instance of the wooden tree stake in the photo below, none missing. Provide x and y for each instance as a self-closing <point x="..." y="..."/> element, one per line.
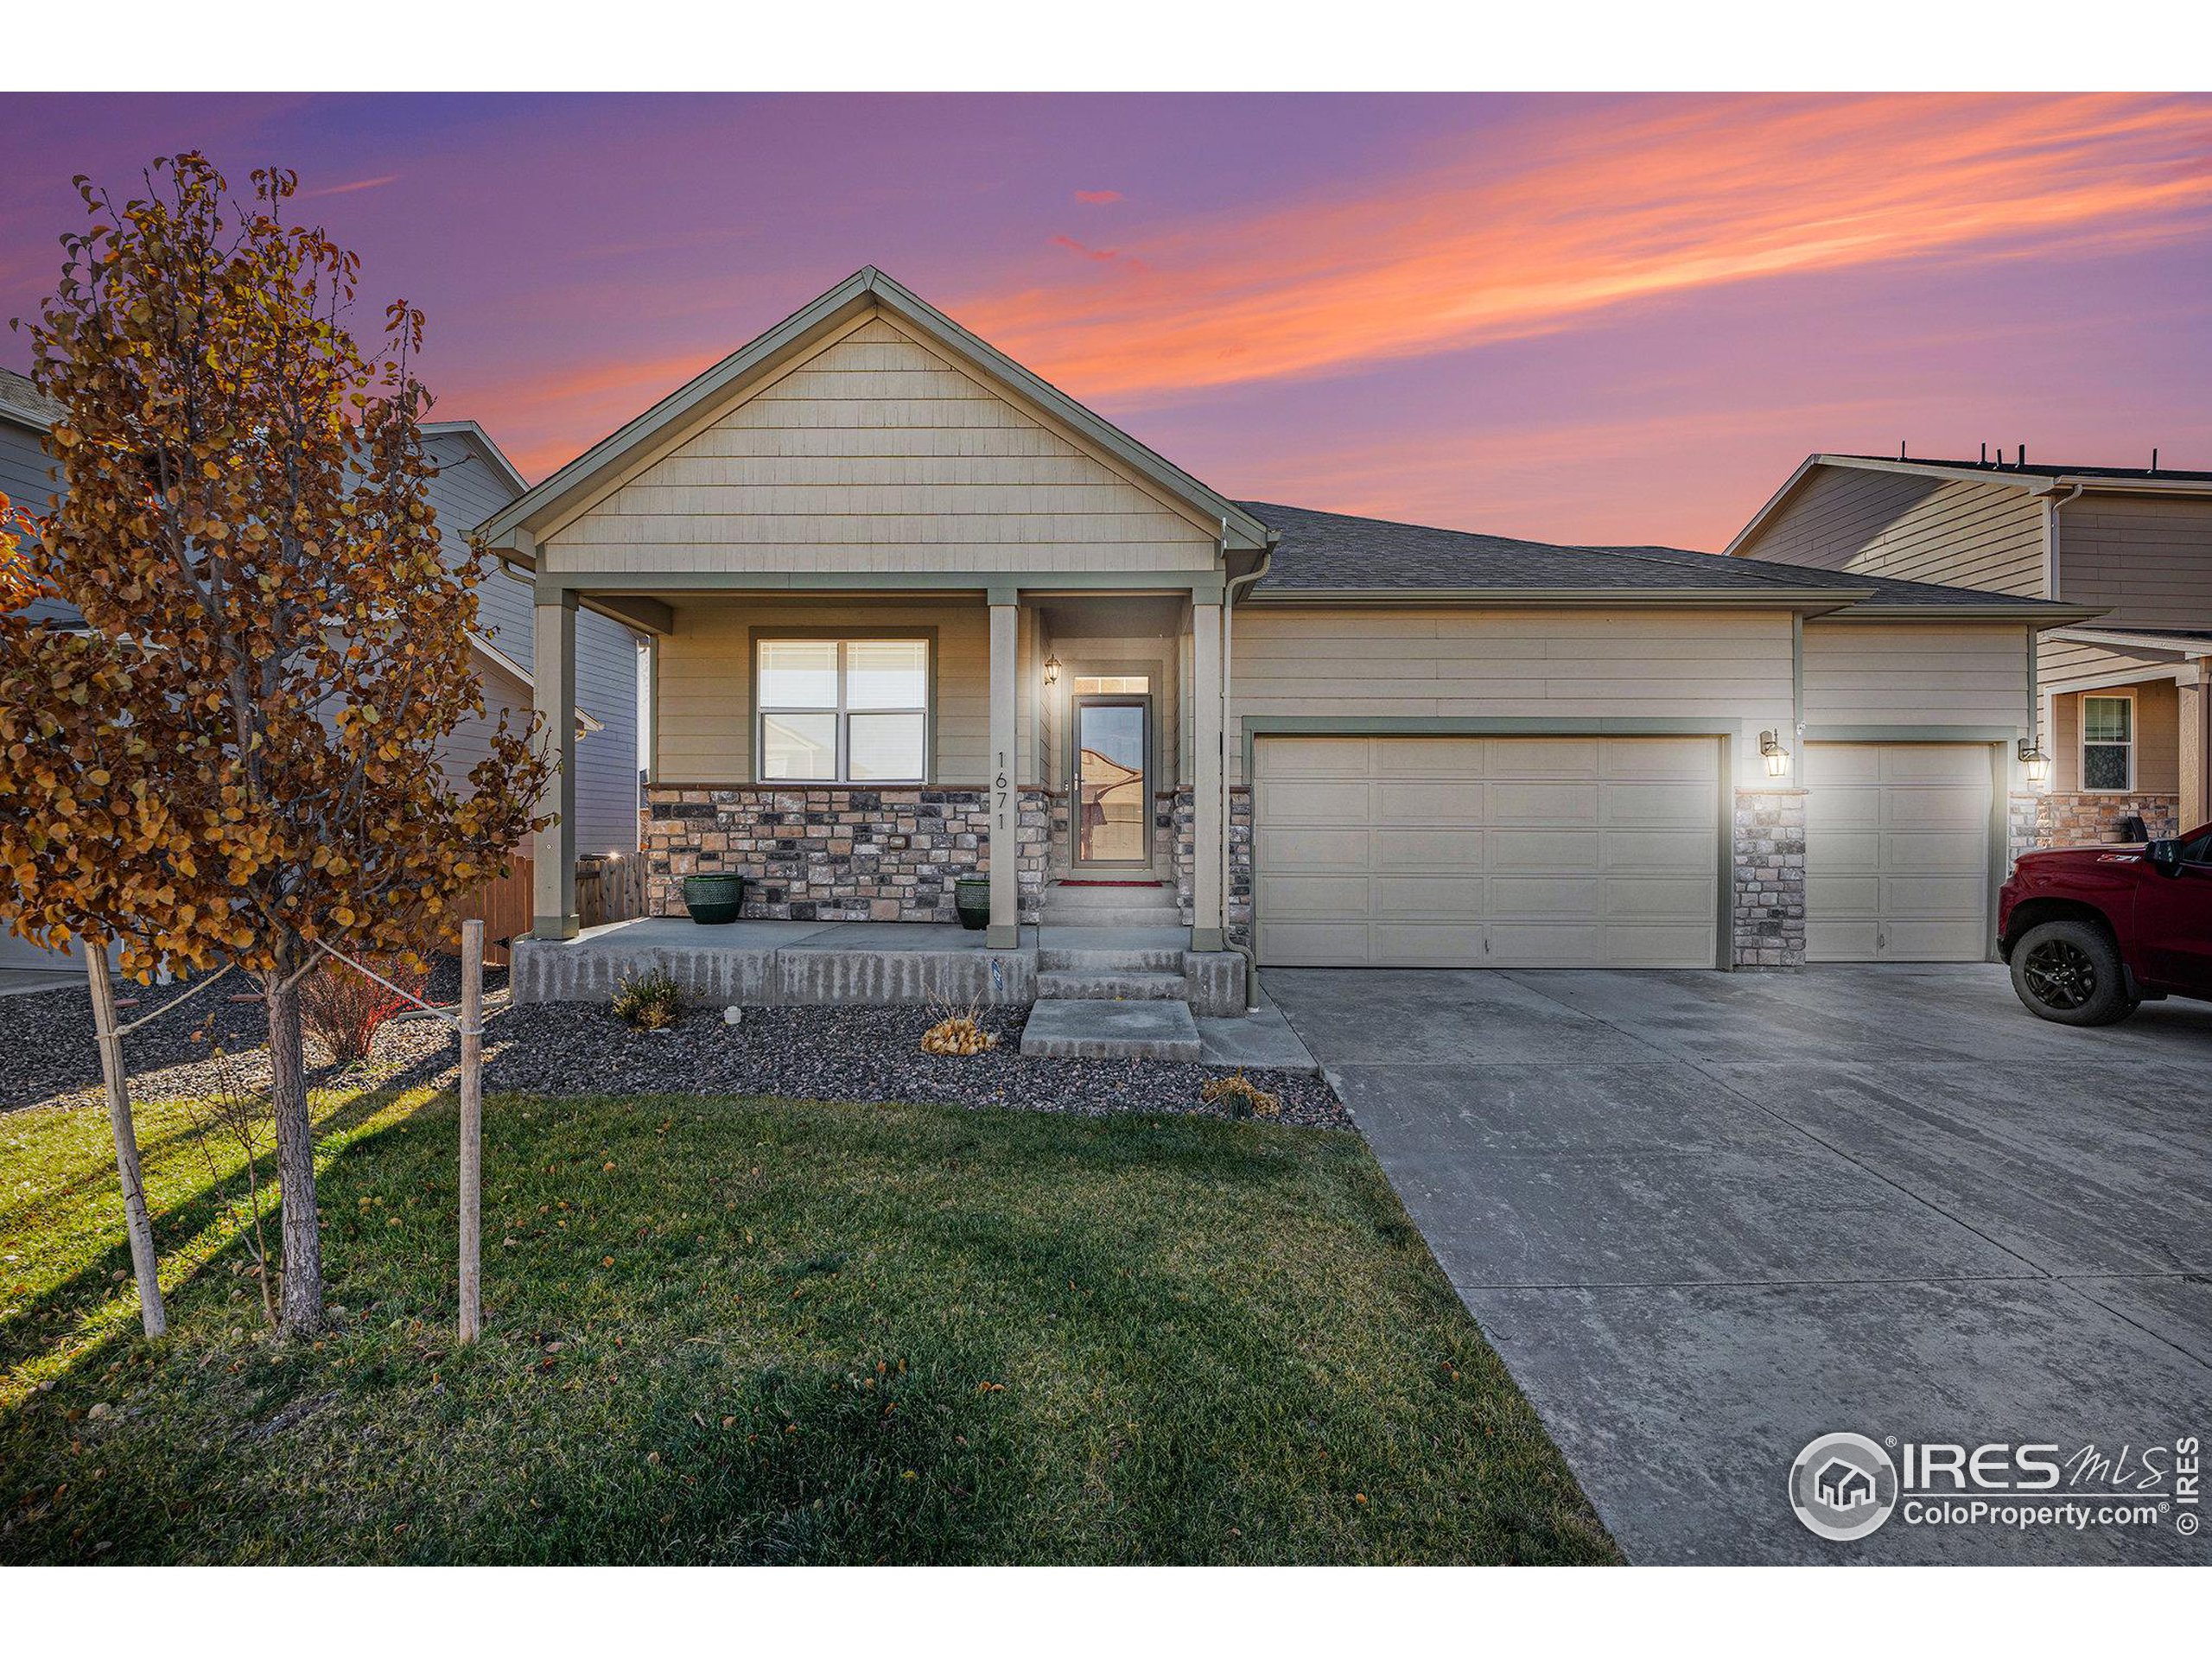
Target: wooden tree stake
<point x="472" y="1129"/>
<point x="140" y="1225"/>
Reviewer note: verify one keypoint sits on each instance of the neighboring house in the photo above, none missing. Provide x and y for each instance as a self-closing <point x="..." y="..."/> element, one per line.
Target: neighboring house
<point x="917" y="612"/>
<point x="2123" y="696"/>
<point x="473" y="480"/>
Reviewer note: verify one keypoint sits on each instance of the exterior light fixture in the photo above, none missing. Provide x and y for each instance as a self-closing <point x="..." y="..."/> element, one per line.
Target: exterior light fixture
<point x="2037" y="762"/>
<point x="1777" y="758"/>
<point x="1052" y="670"/>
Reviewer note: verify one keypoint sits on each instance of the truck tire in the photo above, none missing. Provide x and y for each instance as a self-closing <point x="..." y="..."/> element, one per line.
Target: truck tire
<point x="2069" y="971"/>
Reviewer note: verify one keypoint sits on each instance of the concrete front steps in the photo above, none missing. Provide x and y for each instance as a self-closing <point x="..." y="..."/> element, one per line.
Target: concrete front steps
<point x="1113" y="990"/>
<point x="1142" y="904"/>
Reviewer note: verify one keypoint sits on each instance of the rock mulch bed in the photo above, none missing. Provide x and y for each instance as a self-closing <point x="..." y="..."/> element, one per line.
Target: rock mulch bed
<point x="574" y="1049"/>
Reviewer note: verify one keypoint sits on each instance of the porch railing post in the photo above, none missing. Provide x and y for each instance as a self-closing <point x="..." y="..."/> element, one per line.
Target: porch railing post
<point x="1005" y="773"/>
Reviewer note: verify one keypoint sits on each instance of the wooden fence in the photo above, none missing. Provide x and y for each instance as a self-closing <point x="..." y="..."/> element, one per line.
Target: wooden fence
<point x="607" y="890"/>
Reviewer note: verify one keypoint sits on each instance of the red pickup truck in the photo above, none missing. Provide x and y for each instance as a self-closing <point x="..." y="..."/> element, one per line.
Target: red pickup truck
<point x="2094" y="933"/>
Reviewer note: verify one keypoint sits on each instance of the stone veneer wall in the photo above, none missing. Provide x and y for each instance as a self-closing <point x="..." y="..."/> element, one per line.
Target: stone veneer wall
<point x="2069" y="819"/>
<point x="1240" y="859"/>
<point x="837" y="853"/>
<point x="2023" y="826"/>
<point x="1770" y="879"/>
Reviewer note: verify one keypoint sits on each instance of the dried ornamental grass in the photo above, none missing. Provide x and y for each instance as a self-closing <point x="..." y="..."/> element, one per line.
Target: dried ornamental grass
<point x="1239" y="1097"/>
<point x="957" y="1035"/>
<point x="649" y="1001"/>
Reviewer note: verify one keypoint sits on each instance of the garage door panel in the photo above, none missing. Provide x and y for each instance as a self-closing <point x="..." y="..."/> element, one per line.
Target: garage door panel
<point x="1521" y="800"/>
<point x="1544" y="944"/>
<point x="1426" y="944"/>
<point x="1442" y="757"/>
<point x="1397" y="802"/>
<point x="1319" y="801"/>
<point x="1427" y="849"/>
<point x="1657" y="850"/>
<point x="1304" y="897"/>
<point x="1897" y="852"/>
<point x="1286" y="851"/>
<point x="1657" y="804"/>
<point x="1554" y="852"/>
<point x="1916" y="807"/>
<point x="1426" y="895"/>
<point x="1658" y="899"/>
<point x="1317" y="757"/>
<point x="1539" y="897"/>
<point x="1684" y="760"/>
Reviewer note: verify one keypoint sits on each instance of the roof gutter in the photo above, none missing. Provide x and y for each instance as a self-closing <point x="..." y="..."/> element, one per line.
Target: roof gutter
<point x="1229" y="593"/>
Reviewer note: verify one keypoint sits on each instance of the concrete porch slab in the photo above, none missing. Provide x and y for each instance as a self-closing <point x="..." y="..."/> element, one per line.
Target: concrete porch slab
<point x="1111" y="1031"/>
<point x="1260" y="1041"/>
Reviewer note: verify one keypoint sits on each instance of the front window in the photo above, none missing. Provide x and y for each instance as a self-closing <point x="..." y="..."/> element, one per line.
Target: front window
<point x="842" y="711"/>
<point x="2109" y="744"/>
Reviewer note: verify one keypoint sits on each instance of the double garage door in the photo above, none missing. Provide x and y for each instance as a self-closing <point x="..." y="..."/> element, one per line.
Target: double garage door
<point x="1599" y="852"/>
<point x="1487" y="852"/>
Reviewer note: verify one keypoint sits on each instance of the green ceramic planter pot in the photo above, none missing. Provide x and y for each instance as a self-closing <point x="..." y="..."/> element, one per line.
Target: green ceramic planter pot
<point x="971" y="898"/>
<point x="713" y="899"/>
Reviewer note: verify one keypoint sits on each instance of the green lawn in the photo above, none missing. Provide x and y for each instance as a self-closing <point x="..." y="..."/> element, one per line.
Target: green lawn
<point x="749" y="1331"/>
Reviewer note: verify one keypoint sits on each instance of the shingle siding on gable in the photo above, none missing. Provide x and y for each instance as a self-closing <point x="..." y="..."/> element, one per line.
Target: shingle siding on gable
<point x="1959" y="533"/>
<point x="466" y="492"/>
<point x="877" y="454"/>
<point x="2149" y="560"/>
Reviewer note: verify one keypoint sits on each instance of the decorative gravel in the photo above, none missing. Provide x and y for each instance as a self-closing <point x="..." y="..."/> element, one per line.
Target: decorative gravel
<point x="570" y="1049"/>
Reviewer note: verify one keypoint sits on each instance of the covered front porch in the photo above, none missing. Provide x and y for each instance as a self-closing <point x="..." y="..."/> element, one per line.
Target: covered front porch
<point x="854" y="751"/>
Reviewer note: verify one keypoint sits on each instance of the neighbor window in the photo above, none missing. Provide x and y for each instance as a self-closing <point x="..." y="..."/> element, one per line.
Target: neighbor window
<point x="2109" y="744"/>
<point x="842" y="711"/>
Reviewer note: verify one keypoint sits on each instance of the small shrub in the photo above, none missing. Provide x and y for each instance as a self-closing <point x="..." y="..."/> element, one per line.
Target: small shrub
<point x="343" y="1008"/>
<point x="649" y="1001"/>
<point x="1240" y="1097"/>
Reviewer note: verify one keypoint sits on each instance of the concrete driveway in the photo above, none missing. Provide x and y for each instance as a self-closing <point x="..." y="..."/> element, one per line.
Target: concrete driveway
<point x="1707" y="1217"/>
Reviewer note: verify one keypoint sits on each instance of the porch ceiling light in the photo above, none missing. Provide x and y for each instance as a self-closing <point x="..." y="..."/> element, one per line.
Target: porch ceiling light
<point x="1777" y="758"/>
<point x="1052" y="670"/>
<point x="2037" y="762"/>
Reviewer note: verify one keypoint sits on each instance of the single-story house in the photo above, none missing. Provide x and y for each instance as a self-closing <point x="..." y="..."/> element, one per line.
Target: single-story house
<point x="474" y="479"/>
<point x="915" y="613"/>
<point x="2126" y="697"/>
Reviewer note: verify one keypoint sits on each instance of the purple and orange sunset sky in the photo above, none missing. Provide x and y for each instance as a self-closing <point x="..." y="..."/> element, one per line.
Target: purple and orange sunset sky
<point x="1592" y="319"/>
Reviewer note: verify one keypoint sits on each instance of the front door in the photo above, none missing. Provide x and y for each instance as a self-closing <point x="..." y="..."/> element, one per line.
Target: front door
<point x="1111" y="790"/>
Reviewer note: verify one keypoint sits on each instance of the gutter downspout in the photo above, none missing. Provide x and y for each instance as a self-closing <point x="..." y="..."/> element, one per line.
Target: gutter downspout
<point x="1227" y="610"/>
<point x="2051" y="504"/>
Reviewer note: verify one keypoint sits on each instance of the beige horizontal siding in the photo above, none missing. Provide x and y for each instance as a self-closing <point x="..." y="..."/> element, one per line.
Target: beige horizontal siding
<point x="2150" y="561"/>
<point x="1906" y="673"/>
<point x="1960" y="533"/>
<point x="2060" y="660"/>
<point x="705" y="707"/>
<point x="2158" y="737"/>
<point x="877" y="454"/>
<point x="1732" y="668"/>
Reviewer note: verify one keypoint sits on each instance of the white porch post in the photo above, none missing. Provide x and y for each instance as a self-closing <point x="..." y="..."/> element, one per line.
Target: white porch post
<point x="1206" y="827"/>
<point x="1005" y="771"/>
<point x="553" y="859"/>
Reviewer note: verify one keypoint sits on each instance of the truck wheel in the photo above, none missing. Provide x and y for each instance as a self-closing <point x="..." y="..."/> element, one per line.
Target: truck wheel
<point x="2069" y="971"/>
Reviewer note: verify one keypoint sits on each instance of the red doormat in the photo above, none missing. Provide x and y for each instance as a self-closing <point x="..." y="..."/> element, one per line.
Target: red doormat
<point x="1106" y="884"/>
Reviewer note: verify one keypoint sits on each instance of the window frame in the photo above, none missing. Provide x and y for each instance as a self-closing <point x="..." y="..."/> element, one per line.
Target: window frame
<point x="2083" y="743"/>
<point x="841" y="763"/>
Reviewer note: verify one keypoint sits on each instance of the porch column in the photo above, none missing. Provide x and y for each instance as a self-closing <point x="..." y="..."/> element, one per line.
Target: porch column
<point x="1005" y="768"/>
<point x="2196" y="736"/>
<point x="553" y="859"/>
<point x="1206" y="827"/>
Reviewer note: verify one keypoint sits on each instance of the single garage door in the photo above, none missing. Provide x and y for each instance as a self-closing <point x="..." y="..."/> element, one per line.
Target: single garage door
<point x="1897" y="852"/>
<point x="1483" y="852"/>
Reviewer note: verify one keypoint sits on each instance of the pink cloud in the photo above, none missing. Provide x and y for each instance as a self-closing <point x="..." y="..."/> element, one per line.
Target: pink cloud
<point x="1098" y="196"/>
<point x="376" y="183"/>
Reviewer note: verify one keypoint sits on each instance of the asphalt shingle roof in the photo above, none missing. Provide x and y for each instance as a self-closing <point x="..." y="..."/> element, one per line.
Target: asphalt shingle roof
<point x="1322" y="552"/>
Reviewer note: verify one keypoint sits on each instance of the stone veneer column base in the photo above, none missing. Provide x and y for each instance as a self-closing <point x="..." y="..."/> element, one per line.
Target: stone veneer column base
<point x="837" y="853"/>
<point x="1769" y="879"/>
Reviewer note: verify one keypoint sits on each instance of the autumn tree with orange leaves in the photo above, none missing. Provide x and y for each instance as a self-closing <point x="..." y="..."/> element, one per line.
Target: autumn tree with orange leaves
<point x="237" y="762"/>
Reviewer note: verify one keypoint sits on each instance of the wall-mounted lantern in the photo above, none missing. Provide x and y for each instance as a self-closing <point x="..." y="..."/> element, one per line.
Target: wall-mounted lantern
<point x="1052" y="670"/>
<point x="2037" y="762"/>
<point x="1777" y="758"/>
